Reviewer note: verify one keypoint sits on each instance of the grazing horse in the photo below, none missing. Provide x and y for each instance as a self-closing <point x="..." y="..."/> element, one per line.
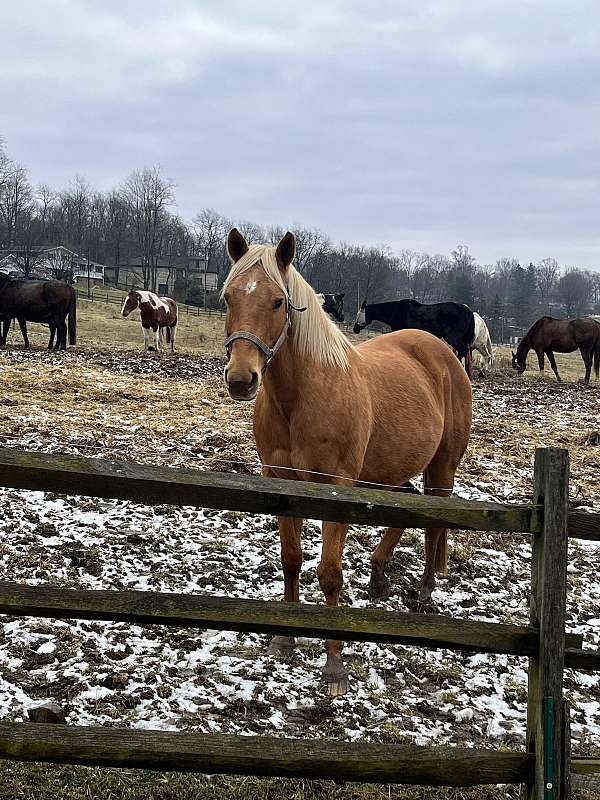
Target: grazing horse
<point x="48" y="301"/>
<point x="156" y="313"/>
<point x="333" y="304"/>
<point x="453" y="322"/>
<point x="483" y="342"/>
<point x="392" y="408"/>
<point x="550" y="335"/>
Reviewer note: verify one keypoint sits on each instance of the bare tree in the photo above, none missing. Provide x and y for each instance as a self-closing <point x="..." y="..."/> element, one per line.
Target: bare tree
<point x="548" y="272"/>
<point x="574" y="290"/>
<point x="16" y="205"/>
<point x="148" y="195"/>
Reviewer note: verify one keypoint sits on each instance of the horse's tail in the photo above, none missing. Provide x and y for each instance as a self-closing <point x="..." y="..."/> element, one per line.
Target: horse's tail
<point x="597" y="360"/>
<point x="73" y="319"/>
<point x="441" y="554"/>
<point x="470" y="333"/>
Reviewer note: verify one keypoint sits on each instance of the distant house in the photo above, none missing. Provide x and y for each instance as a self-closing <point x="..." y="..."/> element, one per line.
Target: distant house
<point x="174" y="276"/>
<point x="52" y="262"/>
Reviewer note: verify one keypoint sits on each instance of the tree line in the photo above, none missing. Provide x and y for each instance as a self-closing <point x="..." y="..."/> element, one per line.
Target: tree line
<point x="137" y="219"/>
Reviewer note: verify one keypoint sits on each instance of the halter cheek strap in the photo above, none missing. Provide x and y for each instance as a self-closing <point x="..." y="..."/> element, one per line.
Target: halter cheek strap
<point x="270" y="352"/>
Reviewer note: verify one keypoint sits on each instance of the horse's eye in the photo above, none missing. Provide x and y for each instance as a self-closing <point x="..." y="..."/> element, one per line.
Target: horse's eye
<point x="277" y="304"/>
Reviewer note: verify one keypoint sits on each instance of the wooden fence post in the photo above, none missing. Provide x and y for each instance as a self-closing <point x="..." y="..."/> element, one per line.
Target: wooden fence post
<point x="545" y="711"/>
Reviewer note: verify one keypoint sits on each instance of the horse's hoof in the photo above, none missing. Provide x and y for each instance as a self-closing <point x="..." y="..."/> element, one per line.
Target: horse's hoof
<point x="336" y="683"/>
<point x="151" y="349"/>
<point x="379" y="586"/>
<point x="281" y="645"/>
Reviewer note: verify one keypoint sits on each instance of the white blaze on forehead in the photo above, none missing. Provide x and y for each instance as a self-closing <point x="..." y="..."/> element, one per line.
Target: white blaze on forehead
<point x="250" y="287"/>
<point x="361" y="318"/>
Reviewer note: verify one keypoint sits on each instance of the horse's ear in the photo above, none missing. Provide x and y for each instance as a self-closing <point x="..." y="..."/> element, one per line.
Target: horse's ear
<point x="363" y="305"/>
<point x="236" y="245"/>
<point x="286" y="250"/>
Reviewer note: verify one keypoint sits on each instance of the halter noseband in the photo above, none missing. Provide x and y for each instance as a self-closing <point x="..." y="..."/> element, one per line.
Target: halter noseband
<point x="270" y="352"/>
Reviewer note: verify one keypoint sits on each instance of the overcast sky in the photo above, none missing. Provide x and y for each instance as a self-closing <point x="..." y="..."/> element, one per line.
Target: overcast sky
<point x="418" y="124"/>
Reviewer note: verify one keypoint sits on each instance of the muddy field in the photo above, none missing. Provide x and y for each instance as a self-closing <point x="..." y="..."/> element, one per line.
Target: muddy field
<point x="108" y="399"/>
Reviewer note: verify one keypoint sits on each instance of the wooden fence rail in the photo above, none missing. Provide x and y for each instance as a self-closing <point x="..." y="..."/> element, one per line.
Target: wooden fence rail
<point x="274" y="618"/>
<point x="261" y="755"/>
<point x="544" y="766"/>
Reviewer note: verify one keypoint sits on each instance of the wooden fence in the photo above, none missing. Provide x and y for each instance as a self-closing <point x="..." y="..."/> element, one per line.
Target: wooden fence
<point x="544" y="765"/>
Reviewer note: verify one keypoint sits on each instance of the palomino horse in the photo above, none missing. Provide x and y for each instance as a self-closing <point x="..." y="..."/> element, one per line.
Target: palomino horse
<point x="394" y="407"/>
<point x="51" y="302"/>
<point x="156" y="313"/>
<point x="550" y="335"/>
<point x="483" y="342"/>
<point x="453" y="322"/>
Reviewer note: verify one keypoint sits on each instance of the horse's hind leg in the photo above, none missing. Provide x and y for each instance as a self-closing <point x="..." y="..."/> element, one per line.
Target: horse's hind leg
<point x="552" y="361"/>
<point x="52" y="335"/>
<point x="290" y="535"/>
<point x="23" y="327"/>
<point x="329" y="573"/>
<point x="587" y="356"/>
<point x="379" y="584"/>
<point x="436" y="478"/>
<point x="61" y="335"/>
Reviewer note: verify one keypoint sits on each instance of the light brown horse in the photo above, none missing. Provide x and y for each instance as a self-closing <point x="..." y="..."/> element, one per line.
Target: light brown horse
<point x="394" y="407"/>
<point x="550" y="335"/>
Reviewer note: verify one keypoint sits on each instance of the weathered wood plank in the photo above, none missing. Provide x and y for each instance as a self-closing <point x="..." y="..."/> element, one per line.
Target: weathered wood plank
<point x="253" y="755"/>
<point x="157" y="485"/>
<point x="582" y="659"/>
<point x="278" y="618"/>
<point x="585" y="766"/>
<point x="545" y="727"/>
<point x="584" y="525"/>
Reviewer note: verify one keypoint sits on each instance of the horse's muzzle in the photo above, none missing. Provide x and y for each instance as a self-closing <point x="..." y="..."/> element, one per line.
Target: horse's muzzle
<point x="357" y="329"/>
<point x="242" y="386"/>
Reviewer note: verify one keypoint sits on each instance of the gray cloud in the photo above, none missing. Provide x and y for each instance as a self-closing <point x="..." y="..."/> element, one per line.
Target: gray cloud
<point x="422" y="124"/>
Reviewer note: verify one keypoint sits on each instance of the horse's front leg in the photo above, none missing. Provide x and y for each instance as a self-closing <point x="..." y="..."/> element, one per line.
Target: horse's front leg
<point x="146" y="337"/>
<point x="290" y="535"/>
<point x="330" y="577"/>
<point x="157" y="338"/>
<point x="540" y="355"/>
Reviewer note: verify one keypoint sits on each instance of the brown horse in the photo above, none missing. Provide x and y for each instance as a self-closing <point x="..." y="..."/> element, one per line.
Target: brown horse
<point x="550" y="335"/>
<point x="158" y="314"/>
<point x="47" y="301"/>
<point x="394" y="407"/>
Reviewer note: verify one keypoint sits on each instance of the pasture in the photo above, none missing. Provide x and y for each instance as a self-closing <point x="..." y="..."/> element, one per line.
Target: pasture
<point x="107" y="398"/>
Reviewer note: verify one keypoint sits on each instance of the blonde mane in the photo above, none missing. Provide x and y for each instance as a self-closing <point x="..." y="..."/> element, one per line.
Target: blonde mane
<point x="312" y="332"/>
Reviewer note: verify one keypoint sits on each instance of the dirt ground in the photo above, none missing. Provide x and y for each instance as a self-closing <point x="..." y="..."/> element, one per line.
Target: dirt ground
<point x="107" y="398"/>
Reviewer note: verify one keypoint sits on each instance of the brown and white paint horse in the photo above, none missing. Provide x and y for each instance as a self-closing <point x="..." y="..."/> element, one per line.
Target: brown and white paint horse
<point x="395" y="406"/>
<point x="158" y="314"/>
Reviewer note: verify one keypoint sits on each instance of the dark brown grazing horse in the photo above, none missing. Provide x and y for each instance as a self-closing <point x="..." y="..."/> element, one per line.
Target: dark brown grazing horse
<point x="156" y="313"/>
<point x="47" y="301"/>
<point x="550" y="335"/>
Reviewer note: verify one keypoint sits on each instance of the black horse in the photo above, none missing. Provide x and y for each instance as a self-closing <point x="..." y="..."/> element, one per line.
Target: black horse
<point x="453" y="322"/>
<point x="333" y="304"/>
<point x="47" y="301"/>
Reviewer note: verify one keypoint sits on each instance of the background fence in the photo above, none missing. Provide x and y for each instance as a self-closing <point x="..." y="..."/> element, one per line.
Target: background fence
<point x="544" y="765"/>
